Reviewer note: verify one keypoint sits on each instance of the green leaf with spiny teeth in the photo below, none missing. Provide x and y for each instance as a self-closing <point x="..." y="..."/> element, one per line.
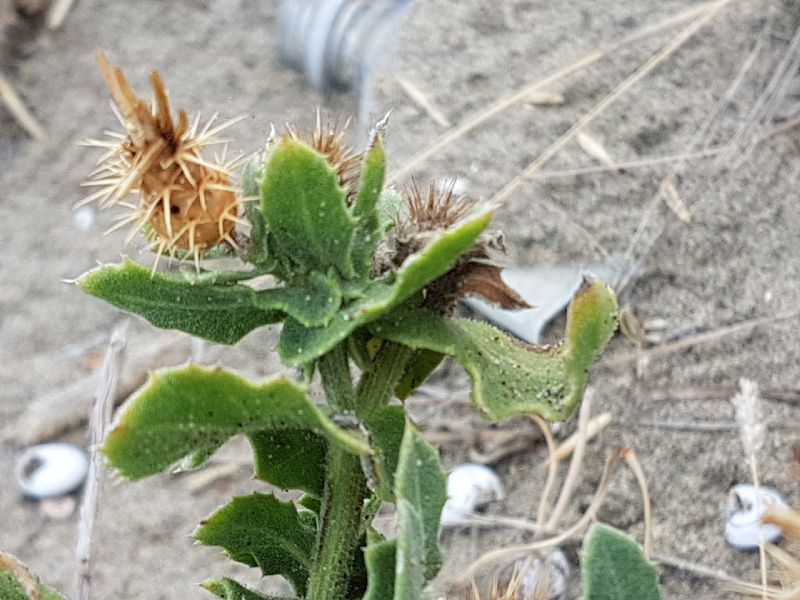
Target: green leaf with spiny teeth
<point x="223" y="314"/>
<point x="369" y="230"/>
<point x="310" y="226"/>
<point x="300" y="344"/>
<point x="195" y="410"/>
<point x="312" y="302"/>
<point x="261" y="531"/>
<point x="508" y="376"/>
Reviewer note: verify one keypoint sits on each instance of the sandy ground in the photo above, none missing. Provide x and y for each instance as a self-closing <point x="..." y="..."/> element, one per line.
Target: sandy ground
<point x="735" y="261"/>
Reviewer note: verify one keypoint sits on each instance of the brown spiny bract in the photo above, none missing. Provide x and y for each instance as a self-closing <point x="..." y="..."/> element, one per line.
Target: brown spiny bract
<point x="433" y="210"/>
<point x="185" y="201"/>
<point x="327" y="139"/>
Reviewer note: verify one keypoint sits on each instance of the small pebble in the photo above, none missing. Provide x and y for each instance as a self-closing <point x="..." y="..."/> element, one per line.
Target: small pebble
<point x="50" y="470"/>
<point x="83" y="218"/>
<point x="546" y="577"/>
<point x="743" y="516"/>
<point x="59" y="508"/>
<point x="470" y="487"/>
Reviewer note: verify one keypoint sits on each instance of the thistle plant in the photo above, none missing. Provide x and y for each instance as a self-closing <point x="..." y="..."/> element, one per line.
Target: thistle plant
<point x="364" y="280"/>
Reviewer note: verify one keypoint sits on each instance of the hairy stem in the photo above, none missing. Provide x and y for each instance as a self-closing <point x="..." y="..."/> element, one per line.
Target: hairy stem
<point x="344" y="496"/>
<point x="377" y="385"/>
<point x="334" y="369"/>
<point x="343" y="505"/>
<point x="340" y="531"/>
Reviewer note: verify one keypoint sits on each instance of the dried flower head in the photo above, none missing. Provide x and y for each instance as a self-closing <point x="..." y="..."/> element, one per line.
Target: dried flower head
<point x="185" y="202"/>
<point x="431" y="210"/>
<point x="327" y="139"/>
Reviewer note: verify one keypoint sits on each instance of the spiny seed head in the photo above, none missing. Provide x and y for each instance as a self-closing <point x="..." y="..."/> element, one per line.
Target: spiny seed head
<point x="327" y="139"/>
<point x="185" y="201"/>
<point x="431" y="210"/>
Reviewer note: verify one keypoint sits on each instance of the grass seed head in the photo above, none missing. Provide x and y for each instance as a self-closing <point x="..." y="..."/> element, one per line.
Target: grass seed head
<point x="185" y="201"/>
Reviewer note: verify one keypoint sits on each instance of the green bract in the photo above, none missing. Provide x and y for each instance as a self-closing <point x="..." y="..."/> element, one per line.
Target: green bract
<point x="325" y="263"/>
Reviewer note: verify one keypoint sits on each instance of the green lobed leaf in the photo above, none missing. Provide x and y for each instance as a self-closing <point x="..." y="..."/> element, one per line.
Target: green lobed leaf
<point x="299" y="344"/>
<point x="386" y="426"/>
<point x="291" y="459"/>
<point x="261" y="531"/>
<point x="369" y="231"/>
<point x="508" y="376"/>
<point x="380" y="560"/>
<point x="18" y="583"/>
<point x="420" y="491"/>
<point x="614" y="568"/>
<point x="223" y="314"/>
<point x="194" y="409"/>
<point x="312" y="303"/>
<point x="305" y="210"/>
<point x="228" y="589"/>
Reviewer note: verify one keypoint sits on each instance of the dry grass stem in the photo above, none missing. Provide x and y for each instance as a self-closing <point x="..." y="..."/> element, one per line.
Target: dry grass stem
<point x="508" y="553"/>
<point x="515" y="184"/>
<point x="421" y="99"/>
<point x="703" y="133"/>
<point x="595" y="426"/>
<point x="721" y="392"/>
<point x="18" y="110"/>
<point x="630" y="459"/>
<point x="520" y="95"/>
<point x="574" y="471"/>
<point x="696" y="340"/>
<point x="101" y="418"/>
<point x="644" y="163"/>
<point x="552" y="472"/>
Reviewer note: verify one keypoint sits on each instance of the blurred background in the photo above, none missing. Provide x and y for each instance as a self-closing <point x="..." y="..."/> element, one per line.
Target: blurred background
<point x="653" y="142"/>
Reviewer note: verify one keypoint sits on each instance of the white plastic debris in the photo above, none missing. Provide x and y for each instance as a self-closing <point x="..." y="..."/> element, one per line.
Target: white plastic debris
<point x="51" y="470"/>
<point x="548" y="290"/>
<point x="544" y="577"/>
<point x="470" y="487"/>
<point x="743" y="516"/>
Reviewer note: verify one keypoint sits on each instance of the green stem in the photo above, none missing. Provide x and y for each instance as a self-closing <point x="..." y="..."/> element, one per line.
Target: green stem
<point x="343" y="504"/>
<point x="344" y="496"/>
<point x="334" y="369"/>
<point x="340" y="530"/>
<point x="378" y="384"/>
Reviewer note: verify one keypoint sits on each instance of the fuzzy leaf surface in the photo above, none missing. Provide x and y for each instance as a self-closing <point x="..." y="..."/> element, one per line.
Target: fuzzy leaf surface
<point x="252" y="175"/>
<point x="18" y="583"/>
<point x="614" y="568"/>
<point x="369" y="230"/>
<point x="292" y="459"/>
<point x="386" y="426"/>
<point x="222" y="314"/>
<point x="509" y="377"/>
<point x="420" y="491"/>
<point x="305" y="210"/>
<point x="380" y="560"/>
<point x="299" y="344"/>
<point x="194" y="409"/>
<point x="228" y="589"/>
<point x="261" y="531"/>
<point x="312" y="303"/>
